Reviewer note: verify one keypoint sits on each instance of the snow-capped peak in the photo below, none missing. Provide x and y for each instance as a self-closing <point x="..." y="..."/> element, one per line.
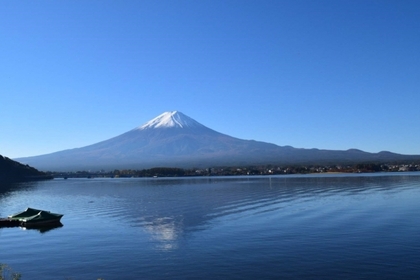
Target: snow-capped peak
<point x="171" y="119"/>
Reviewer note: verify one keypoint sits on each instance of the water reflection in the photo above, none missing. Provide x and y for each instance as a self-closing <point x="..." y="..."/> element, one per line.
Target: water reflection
<point x="10" y="187"/>
<point x="43" y="228"/>
<point x="6" y="188"/>
<point x="293" y="227"/>
<point x="164" y="230"/>
<point x="170" y="209"/>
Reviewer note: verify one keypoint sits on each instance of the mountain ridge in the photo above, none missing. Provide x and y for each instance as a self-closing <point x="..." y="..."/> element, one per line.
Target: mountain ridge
<point x="13" y="171"/>
<point x="173" y="139"/>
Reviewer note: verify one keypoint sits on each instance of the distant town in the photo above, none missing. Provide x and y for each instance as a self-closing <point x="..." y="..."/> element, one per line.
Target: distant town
<point x="240" y="171"/>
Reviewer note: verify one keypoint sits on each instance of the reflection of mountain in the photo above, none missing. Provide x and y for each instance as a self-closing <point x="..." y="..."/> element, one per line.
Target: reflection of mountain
<point x="166" y="230"/>
<point x="176" y="140"/>
<point x="170" y="209"/>
<point x="6" y="187"/>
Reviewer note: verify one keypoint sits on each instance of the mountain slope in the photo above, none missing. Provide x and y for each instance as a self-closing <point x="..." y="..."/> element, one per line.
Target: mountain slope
<point x="173" y="139"/>
<point x="12" y="171"/>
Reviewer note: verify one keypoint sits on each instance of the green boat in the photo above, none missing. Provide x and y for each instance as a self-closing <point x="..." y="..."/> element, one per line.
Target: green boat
<point x="33" y="216"/>
<point x="29" y="212"/>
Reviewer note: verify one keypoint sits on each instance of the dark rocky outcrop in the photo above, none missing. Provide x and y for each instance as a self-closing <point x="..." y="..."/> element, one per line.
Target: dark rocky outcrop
<point x="13" y="171"/>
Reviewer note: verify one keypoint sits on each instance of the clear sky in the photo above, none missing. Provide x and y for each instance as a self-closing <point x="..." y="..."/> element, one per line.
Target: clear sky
<point x="310" y="74"/>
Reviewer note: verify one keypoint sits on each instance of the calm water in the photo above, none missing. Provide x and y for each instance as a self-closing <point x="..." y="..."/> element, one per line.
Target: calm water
<point x="289" y="227"/>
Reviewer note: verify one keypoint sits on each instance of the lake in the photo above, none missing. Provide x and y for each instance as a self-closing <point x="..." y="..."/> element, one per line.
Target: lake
<point x="339" y="226"/>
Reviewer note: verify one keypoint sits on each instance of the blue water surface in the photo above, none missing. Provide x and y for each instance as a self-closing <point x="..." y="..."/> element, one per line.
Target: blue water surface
<point x="337" y="226"/>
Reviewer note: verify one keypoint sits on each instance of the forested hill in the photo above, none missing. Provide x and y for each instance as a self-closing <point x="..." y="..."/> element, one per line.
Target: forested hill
<point x="13" y="171"/>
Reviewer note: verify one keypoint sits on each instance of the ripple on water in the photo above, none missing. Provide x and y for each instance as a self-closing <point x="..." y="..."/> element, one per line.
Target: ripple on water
<point x="323" y="227"/>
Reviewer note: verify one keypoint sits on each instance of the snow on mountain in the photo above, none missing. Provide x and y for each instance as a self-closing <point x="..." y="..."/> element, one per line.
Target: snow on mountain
<point x="170" y="120"/>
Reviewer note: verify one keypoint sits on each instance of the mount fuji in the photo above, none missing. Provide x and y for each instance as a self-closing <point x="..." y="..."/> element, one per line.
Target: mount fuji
<point x="173" y="139"/>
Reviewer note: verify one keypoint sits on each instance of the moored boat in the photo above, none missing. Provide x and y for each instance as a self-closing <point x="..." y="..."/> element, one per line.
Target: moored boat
<point x="29" y="212"/>
<point x="42" y="218"/>
<point x="31" y="217"/>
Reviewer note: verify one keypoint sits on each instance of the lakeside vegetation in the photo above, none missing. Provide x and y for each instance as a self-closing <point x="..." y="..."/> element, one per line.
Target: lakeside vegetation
<point x="240" y="171"/>
<point x="13" y="171"/>
<point x="6" y="273"/>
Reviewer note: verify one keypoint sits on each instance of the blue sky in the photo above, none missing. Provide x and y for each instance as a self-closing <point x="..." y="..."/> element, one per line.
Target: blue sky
<point x="310" y="74"/>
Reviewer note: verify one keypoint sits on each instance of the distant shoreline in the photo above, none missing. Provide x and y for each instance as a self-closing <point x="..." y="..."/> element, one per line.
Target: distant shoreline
<point x="238" y="171"/>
